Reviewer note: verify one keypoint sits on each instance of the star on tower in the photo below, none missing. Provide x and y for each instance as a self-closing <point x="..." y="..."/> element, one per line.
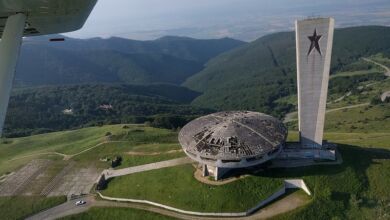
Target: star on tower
<point x="315" y="42"/>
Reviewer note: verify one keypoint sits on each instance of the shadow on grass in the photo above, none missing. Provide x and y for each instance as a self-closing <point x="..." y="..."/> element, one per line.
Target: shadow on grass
<point x="355" y="158"/>
<point x="341" y="180"/>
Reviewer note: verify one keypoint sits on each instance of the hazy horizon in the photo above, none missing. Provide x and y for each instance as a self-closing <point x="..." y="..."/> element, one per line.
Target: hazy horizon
<point x="240" y="19"/>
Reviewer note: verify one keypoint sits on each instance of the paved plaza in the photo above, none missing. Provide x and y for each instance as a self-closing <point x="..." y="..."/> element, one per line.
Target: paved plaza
<point x="76" y="182"/>
<point x="16" y="183"/>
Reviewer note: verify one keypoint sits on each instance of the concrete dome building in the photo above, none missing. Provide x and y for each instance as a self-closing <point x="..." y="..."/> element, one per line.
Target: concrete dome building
<point x="228" y="140"/>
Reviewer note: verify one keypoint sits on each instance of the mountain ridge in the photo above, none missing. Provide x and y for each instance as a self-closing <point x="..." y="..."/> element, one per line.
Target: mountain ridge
<point x="169" y="60"/>
<point x="256" y="75"/>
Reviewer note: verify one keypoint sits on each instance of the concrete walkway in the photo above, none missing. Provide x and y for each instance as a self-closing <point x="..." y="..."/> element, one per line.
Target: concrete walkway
<point x="153" y="166"/>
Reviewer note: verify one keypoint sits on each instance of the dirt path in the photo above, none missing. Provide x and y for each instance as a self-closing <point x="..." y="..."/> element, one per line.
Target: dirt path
<point x="385" y="95"/>
<point x="68" y="157"/>
<point x="341" y="98"/>
<point x="347" y="107"/>
<point x="65" y="156"/>
<point x="135" y="153"/>
<point x="387" y="69"/>
<point x="289" y="116"/>
<point x="37" y="154"/>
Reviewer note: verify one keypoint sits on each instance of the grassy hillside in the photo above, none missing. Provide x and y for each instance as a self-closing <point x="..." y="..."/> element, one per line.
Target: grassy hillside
<point x="106" y="141"/>
<point x="16" y="208"/>
<point x="102" y="213"/>
<point x="257" y="75"/>
<point x="357" y="189"/>
<point x="84" y="148"/>
<point x="189" y="194"/>
<point x="166" y="60"/>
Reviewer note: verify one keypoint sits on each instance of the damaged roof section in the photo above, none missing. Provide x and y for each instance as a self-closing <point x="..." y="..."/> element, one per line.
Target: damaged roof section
<point x="232" y="136"/>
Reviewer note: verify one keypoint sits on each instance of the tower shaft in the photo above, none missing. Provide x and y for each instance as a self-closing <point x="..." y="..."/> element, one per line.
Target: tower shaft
<point x="314" y="40"/>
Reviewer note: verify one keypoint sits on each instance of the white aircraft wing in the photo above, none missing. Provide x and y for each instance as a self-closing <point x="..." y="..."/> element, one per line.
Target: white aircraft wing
<point x="20" y="18"/>
<point x="47" y="16"/>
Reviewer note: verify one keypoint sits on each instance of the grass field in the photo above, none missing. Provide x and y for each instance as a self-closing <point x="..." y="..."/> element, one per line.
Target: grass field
<point x="151" y="143"/>
<point x="117" y="214"/>
<point x="20" y="207"/>
<point x="365" y="119"/>
<point x="357" y="189"/>
<point x="177" y="187"/>
<point x="137" y="145"/>
<point x="356" y="73"/>
<point x="17" y="152"/>
<point x="362" y="119"/>
<point x="68" y="142"/>
<point x="362" y="178"/>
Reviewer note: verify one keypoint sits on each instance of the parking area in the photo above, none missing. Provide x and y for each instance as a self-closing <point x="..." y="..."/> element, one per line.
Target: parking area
<point x="76" y="182"/>
<point x="48" y="178"/>
<point x="17" y="183"/>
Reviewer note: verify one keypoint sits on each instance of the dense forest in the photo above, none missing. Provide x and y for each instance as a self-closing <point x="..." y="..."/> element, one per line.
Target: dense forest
<point x="45" y="109"/>
<point x="115" y="60"/>
<point x="255" y="76"/>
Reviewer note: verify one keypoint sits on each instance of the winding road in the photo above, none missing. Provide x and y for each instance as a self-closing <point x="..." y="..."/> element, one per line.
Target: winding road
<point x="387" y="73"/>
<point x="387" y="69"/>
<point x="291" y="116"/>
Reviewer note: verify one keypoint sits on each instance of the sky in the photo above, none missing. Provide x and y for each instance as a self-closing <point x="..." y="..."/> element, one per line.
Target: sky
<point x="241" y="19"/>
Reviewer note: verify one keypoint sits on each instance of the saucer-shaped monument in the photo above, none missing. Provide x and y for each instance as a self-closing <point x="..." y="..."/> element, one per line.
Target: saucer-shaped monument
<point x="231" y="140"/>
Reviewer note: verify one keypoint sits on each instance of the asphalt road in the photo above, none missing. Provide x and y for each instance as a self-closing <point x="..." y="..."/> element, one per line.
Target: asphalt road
<point x="65" y="209"/>
<point x="288" y="203"/>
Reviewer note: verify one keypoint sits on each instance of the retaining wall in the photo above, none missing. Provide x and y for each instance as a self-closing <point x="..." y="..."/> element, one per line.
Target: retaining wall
<point x="288" y="184"/>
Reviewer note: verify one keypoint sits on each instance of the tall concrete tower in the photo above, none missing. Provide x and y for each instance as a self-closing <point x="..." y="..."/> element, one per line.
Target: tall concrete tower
<point x="314" y="39"/>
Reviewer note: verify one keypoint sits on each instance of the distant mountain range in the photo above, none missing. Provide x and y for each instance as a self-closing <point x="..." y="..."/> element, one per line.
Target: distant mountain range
<point x="115" y="60"/>
<point x="145" y="79"/>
